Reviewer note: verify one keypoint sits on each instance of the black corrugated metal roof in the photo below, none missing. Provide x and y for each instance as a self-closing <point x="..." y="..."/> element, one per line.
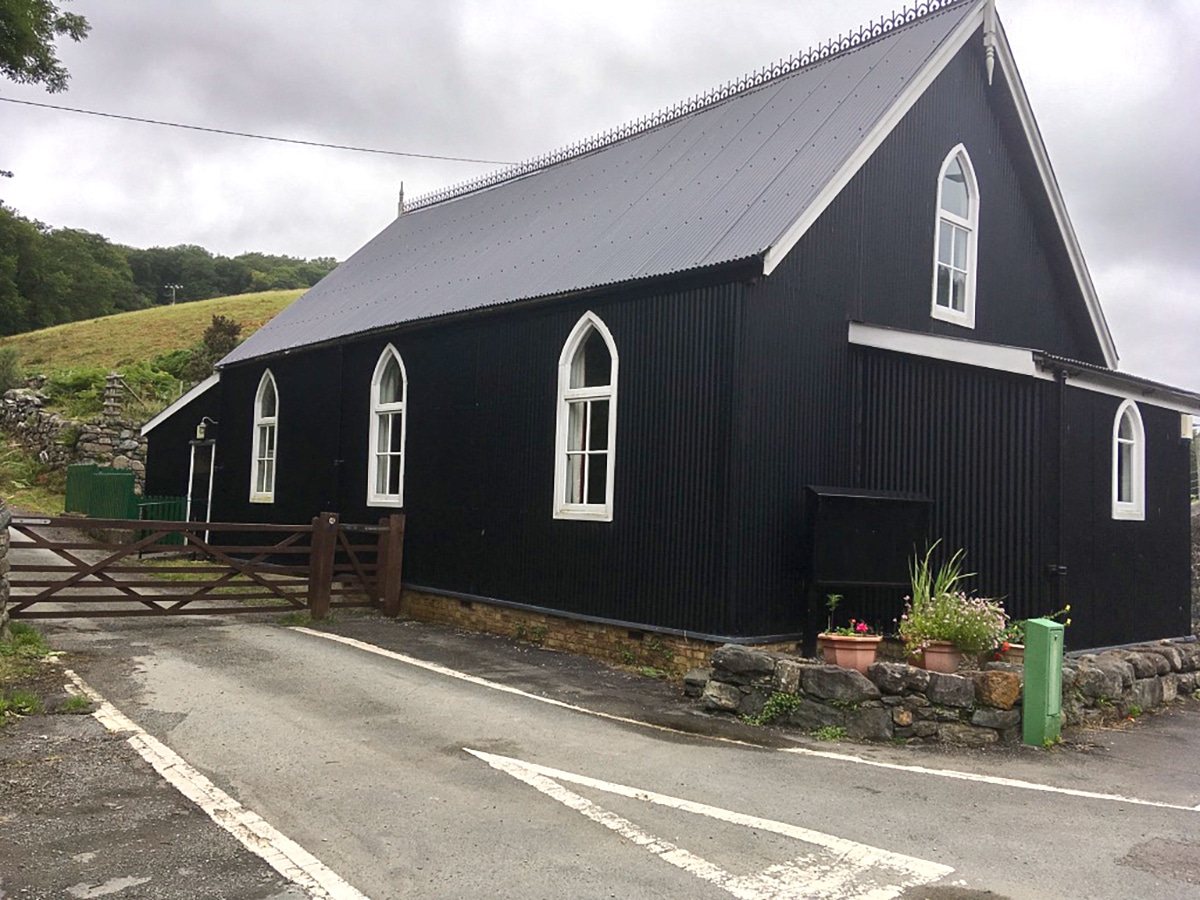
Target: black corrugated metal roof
<point x="714" y="181"/>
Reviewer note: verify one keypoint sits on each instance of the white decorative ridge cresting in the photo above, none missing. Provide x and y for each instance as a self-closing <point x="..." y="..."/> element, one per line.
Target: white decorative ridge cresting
<point x="869" y="32"/>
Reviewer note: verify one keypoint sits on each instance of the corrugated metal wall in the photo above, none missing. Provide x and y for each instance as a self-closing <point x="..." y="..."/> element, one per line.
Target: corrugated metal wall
<point x="480" y="455"/>
<point x="972" y="441"/>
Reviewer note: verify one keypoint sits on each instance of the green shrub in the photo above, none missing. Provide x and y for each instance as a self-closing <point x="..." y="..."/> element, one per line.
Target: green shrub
<point x="10" y="370"/>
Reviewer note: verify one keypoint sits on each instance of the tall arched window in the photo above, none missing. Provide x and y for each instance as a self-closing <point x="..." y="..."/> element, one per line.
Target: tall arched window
<point x="385" y="467"/>
<point x="1128" y="464"/>
<point x="266" y="428"/>
<point x="585" y="445"/>
<point x="956" y="240"/>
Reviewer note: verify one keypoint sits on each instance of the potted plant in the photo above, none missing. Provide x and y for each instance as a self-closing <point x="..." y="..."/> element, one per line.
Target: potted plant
<point x="850" y="646"/>
<point x="1012" y="645"/>
<point x="941" y="621"/>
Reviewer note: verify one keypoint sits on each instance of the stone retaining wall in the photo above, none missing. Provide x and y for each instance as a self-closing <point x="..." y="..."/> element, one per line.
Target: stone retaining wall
<point x="669" y="654"/>
<point x="59" y="442"/>
<point x="897" y="701"/>
<point x="5" y="518"/>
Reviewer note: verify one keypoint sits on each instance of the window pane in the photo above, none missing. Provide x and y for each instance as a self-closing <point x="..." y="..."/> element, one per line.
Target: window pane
<point x="960" y="248"/>
<point x="598" y="437"/>
<point x="943" y="287"/>
<point x="597" y="488"/>
<point x="954" y="190"/>
<point x="574" y="478"/>
<point x="390" y="390"/>
<point x="266" y="407"/>
<point x="1126" y="430"/>
<point x="592" y="366"/>
<point x="395" y="431"/>
<point x="1125" y="473"/>
<point x="960" y="291"/>
<point x="945" y="242"/>
<point x="382" y="435"/>
<point x="577" y="425"/>
<point x="380" y="473"/>
<point x="393" y="470"/>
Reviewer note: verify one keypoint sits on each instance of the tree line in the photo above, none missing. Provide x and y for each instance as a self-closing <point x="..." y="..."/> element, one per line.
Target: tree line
<point x="49" y="276"/>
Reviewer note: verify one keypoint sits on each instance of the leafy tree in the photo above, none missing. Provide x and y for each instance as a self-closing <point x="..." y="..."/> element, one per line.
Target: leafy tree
<point x="27" y="32"/>
<point x="219" y="338"/>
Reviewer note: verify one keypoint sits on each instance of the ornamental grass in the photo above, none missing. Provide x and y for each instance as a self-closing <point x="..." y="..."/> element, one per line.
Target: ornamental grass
<point x="939" y="609"/>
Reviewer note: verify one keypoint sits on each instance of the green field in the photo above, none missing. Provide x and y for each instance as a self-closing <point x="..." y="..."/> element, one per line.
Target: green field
<point x="114" y="341"/>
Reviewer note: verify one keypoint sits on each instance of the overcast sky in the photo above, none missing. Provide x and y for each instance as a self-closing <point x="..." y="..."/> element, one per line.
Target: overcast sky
<point x="1115" y="87"/>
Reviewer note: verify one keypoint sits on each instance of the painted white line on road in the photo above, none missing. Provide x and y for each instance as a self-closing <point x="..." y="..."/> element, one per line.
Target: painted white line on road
<point x="504" y="688"/>
<point x="283" y="854"/>
<point x="993" y="780"/>
<point x="996" y="780"/>
<point x="841" y="869"/>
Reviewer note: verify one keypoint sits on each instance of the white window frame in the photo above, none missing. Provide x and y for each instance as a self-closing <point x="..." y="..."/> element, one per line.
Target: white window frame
<point x="564" y="509"/>
<point x="257" y="459"/>
<point x="380" y="410"/>
<point x="965" y="317"/>
<point x="1134" y="508"/>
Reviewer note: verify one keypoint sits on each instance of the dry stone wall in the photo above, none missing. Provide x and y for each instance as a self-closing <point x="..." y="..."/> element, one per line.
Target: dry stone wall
<point x="58" y="441"/>
<point x="894" y="700"/>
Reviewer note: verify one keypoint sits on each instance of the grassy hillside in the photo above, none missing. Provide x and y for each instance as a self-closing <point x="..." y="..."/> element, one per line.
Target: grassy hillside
<point x="117" y="340"/>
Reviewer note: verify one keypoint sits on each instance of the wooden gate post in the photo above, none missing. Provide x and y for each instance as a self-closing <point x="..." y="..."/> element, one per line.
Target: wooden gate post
<point x="391" y="559"/>
<point x="320" y="564"/>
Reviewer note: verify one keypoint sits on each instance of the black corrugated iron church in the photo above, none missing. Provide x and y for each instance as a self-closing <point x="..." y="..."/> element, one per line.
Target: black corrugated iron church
<point x="692" y="374"/>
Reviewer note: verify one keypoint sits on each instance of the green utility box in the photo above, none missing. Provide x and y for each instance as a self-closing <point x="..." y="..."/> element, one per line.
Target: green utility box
<point x="1043" y="682"/>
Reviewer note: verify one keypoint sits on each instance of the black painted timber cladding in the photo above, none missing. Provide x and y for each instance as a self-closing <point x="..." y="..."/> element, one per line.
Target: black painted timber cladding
<point x="480" y="454"/>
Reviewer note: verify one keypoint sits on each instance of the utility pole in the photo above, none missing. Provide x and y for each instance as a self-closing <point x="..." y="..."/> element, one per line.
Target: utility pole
<point x="172" y="288"/>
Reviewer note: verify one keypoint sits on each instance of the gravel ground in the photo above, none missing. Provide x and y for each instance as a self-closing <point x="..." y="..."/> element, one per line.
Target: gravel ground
<point x="82" y="816"/>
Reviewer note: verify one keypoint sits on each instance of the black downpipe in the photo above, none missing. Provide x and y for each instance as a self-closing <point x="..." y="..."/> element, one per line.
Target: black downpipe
<point x="1061" y="567"/>
<point x="335" y="501"/>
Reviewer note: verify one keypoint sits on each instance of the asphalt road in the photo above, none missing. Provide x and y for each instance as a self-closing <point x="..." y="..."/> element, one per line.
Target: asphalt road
<point x="410" y="780"/>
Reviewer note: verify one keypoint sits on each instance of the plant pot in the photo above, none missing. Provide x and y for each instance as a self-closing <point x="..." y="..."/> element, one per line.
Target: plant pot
<point x="850" y="651"/>
<point x="940" y="656"/>
<point x="1014" y="654"/>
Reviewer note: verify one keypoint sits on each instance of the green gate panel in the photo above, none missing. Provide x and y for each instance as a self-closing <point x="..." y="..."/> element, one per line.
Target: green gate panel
<point x="79" y="487"/>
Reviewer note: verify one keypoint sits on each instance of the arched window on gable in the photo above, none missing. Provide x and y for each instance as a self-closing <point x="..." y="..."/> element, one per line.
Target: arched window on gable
<point x="389" y="395"/>
<point x="266" y="429"/>
<point x="956" y="240"/>
<point x="585" y="443"/>
<point x="1129" y="464"/>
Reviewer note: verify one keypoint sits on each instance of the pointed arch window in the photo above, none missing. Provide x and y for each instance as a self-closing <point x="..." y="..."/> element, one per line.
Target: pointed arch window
<point x="1129" y="464"/>
<point x="266" y="430"/>
<point x="956" y="240"/>
<point x="585" y="444"/>
<point x="389" y="396"/>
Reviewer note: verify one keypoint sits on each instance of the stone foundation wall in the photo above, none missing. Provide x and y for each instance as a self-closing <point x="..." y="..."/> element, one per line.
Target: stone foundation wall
<point x="60" y="442"/>
<point x="897" y="701"/>
<point x="670" y="654"/>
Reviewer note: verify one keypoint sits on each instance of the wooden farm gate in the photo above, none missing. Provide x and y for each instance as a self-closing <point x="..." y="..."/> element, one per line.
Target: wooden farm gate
<point x="164" y="568"/>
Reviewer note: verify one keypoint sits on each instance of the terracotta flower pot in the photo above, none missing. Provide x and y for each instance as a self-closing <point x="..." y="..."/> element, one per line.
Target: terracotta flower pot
<point x="940" y="656"/>
<point x="850" y="651"/>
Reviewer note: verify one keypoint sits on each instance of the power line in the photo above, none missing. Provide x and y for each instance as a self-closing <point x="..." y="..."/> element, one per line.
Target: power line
<point x="257" y="137"/>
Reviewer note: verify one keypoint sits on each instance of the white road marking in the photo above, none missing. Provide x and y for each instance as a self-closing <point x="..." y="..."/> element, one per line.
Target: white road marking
<point x="996" y="780"/>
<point x="283" y="854"/>
<point x="503" y="688"/>
<point x="840" y="870"/>
<point x="993" y="780"/>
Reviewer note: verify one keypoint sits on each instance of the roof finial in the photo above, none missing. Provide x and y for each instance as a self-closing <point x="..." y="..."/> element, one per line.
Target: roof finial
<point x="989" y="37"/>
<point x="400" y="204"/>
